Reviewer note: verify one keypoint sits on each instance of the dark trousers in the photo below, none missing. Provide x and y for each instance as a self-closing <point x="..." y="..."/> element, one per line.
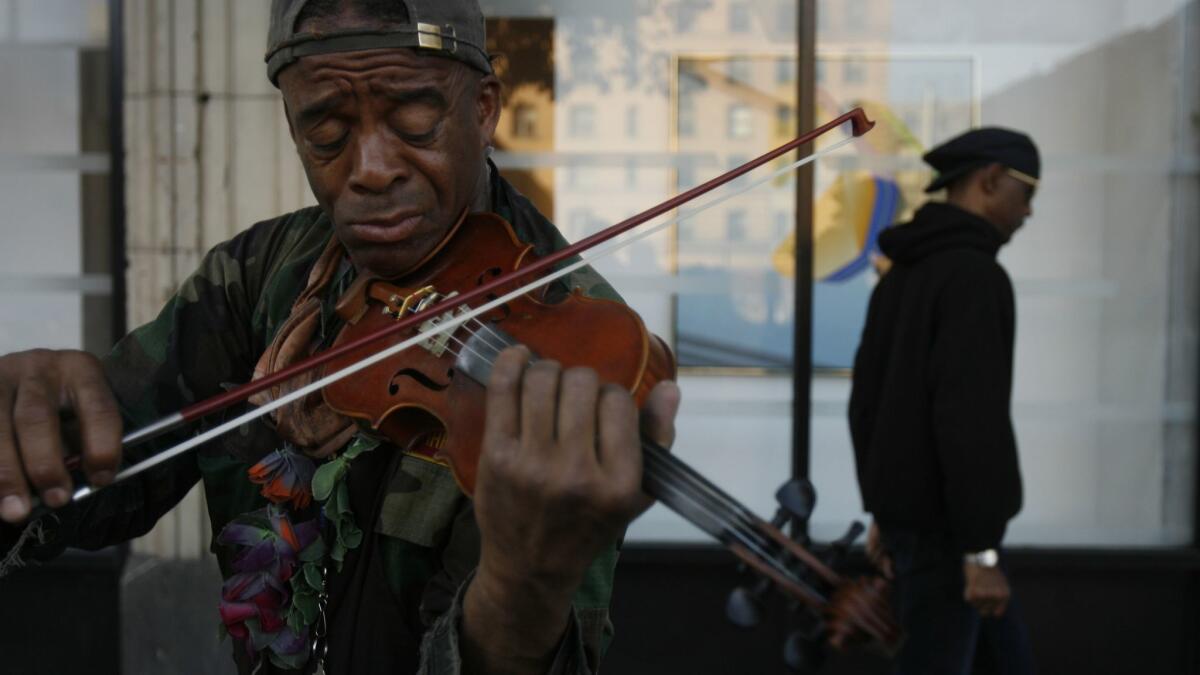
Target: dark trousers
<point x="945" y="635"/>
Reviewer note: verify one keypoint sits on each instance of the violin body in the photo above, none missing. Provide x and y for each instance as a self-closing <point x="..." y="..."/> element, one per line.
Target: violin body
<point x="419" y="395"/>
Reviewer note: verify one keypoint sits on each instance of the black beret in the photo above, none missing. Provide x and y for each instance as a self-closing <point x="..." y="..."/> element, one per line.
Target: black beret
<point x="979" y="147"/>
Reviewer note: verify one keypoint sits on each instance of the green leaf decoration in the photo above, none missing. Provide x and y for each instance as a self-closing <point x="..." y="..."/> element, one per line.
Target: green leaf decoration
<point x="327" y="477"/>
<point x="295" y="620"/>
<point x="341" y="502"/>
<point x="314" y="552"/>
<point x="308" y="606"/>
<point x="350" y="536"/>
<point x="360" y="445"/>
<point x="312" y="575"/>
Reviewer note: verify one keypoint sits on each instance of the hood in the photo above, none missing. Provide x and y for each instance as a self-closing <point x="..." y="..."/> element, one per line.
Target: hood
<point x="937" y="227"/>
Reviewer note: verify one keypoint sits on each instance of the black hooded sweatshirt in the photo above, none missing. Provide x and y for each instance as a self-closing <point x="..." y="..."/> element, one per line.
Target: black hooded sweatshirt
<point x="929" y="412"/>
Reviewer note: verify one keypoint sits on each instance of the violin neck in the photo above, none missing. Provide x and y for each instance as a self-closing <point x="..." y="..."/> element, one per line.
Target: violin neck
<point x="760" y="545"/>
<point x="688" y="493"/>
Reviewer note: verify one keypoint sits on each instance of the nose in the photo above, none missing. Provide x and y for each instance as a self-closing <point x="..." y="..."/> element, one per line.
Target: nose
<point x="377" y="163"/>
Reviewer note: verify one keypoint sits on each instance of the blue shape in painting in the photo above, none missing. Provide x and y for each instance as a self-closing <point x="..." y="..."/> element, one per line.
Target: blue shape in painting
<point x="712" y="332"/>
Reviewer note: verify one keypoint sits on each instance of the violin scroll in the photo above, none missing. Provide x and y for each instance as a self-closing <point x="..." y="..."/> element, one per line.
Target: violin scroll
<point x="837" y="612"/>
<point x="859" y="611"/>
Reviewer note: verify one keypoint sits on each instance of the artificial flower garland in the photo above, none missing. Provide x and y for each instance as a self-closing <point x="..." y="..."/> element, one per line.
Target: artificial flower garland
<point x="273" y="598"/>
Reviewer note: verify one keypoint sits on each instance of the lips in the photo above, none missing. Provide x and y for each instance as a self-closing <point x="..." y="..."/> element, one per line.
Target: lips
<point x="387" y="230"/>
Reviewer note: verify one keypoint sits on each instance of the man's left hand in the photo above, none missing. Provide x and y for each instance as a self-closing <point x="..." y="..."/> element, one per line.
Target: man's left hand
<point x="560" y="478"/>
<point x="986" y="589"/>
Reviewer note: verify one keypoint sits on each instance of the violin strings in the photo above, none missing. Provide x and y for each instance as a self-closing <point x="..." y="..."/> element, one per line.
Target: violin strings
<point x="767" y="547"/>
<point x="764" y="547"/>
<point x="680" y="471"/>
<point x="674" y="477"/>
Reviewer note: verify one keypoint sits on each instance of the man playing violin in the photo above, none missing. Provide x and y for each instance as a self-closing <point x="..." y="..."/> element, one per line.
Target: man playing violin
<point x="341" y="552"/>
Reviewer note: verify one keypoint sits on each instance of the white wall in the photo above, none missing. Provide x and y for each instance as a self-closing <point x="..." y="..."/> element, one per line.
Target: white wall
<point x="1105" y="439"/>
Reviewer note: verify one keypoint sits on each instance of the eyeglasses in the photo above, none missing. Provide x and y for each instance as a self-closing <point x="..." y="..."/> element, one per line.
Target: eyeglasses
<point x="1031" y="183"/>
<point x="1024" y="178"/>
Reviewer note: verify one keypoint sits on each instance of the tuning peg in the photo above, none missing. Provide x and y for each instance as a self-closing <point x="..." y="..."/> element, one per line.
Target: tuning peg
<point x="852" y="533"/>
<point x="744" y="608"/>
<point x="798" y="498"/>
<point x="841" y="546"/>
<point x="745" y="604"/>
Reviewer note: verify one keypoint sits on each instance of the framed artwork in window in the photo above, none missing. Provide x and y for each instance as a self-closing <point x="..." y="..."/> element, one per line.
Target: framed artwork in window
<point x="735" y="308"/>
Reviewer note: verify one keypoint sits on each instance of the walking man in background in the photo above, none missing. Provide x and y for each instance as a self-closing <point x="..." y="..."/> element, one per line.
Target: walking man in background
<point x="930" y="416"/>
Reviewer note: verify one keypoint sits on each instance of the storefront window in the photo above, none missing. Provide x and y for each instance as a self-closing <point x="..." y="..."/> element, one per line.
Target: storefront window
<point x="55" y="284"/>
<point x="669" y="95"/>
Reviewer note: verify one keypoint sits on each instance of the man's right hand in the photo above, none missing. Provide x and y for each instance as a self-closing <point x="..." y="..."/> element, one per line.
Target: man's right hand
<point x="877" y="554"/>
<point x="35" y="387"/>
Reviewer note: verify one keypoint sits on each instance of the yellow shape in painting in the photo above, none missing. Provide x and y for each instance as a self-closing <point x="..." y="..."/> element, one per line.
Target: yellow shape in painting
<point x="841" y="219"/>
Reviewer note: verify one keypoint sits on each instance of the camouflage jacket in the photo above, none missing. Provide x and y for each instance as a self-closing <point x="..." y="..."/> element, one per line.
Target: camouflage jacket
<point x="423" y="537"/>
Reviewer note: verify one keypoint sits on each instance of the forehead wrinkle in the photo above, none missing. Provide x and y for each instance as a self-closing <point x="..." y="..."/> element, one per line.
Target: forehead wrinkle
<point x="386" y="76"/>
<point x="376" y="59"/>
<point x="320" y="103"/>
<point x="429" y="87"/>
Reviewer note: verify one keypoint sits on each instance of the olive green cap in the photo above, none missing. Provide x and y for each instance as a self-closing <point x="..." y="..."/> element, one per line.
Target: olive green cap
<point x="450" y="28"/>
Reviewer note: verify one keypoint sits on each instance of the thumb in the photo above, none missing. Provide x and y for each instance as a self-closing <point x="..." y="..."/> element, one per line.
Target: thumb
<point x="658" y="415"/>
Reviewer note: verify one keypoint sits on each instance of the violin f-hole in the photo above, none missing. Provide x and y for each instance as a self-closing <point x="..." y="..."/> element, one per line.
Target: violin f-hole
<point x="502" y="312"/>
<point x="420" y="378"/>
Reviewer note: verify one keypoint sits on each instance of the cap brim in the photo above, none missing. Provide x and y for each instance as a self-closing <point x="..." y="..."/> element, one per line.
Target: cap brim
<point x="420" y="36"/>
<point x="948" y="177"/>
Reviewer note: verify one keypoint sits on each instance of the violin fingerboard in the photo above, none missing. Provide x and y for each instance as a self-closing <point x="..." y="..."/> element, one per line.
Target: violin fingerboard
<point x="479" y="352"/>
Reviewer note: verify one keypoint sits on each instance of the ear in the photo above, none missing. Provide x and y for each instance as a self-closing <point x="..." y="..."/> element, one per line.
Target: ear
<point x="488" y="108"/>
<point x="992" y="178"/>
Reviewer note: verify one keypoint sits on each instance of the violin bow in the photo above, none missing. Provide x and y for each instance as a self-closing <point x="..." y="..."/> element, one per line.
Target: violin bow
<point x="860" y="125"/>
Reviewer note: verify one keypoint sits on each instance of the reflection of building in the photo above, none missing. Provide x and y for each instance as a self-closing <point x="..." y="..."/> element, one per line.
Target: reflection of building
<point x="525" y="63"/>
<point x="616" y="113"/>
<point x="647" y="105"/>
<point x="732" y="109"/>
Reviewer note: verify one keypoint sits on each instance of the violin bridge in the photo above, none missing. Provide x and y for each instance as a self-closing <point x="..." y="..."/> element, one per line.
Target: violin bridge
<point x="437" y="344"/>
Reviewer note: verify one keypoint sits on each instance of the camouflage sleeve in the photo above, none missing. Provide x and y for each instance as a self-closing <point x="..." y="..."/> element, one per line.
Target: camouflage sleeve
<point x="200" y="341"/>
<point x="441" y="655"/>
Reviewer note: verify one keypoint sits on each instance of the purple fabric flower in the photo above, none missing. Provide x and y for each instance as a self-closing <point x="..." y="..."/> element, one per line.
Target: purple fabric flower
<point x="259" y="592"/>
<point x="270" y="541"/>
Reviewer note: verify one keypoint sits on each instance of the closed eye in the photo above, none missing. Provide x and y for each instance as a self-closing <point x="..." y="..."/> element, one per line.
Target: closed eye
<point x="422" y="139"/>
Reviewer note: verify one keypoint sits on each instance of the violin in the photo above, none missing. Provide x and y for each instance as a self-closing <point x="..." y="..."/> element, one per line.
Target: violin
<point x="435" y="389"/>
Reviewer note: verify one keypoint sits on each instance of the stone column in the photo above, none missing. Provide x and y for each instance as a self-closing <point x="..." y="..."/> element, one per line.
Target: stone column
<point x="208" y="155"/>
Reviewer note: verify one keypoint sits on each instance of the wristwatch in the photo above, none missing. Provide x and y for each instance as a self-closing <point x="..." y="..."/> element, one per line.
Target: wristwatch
<point x="987" y="558"/>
